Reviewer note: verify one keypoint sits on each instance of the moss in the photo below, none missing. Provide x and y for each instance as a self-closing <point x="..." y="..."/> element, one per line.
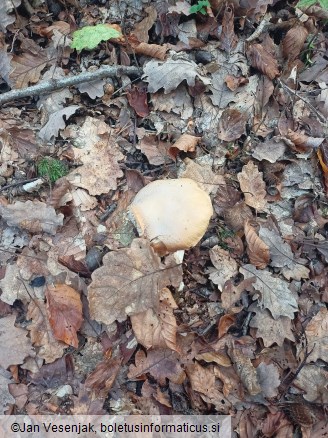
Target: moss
<point x="51" y="169"/>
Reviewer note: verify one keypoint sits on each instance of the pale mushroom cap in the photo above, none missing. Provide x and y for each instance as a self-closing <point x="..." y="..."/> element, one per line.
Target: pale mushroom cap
<point x="173" y="214"/>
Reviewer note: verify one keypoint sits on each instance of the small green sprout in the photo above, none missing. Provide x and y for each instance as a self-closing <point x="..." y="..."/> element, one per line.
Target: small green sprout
<point x="200" y="7"/>
<point x="90" y="36"/>
<point x="51" y="169"/>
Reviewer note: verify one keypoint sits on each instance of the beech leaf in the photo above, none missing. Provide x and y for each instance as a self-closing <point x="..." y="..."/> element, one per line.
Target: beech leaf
<point x="252" y="184"/>
<point x="257" y="250"/>
<point x="90" y="36"/>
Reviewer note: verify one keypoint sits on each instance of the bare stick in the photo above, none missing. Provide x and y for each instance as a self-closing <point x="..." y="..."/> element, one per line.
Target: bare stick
<point x="56" y="84"/>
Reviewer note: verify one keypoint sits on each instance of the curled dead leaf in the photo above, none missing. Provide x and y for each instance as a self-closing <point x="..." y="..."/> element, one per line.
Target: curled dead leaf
<point x="263" y="61"/>
<point x="258" y="252"/>
<point x="186" y="143"/>
<point x="293" y="42"/>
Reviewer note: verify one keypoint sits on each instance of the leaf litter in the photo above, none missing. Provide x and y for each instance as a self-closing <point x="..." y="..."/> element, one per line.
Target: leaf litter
<point x="232" y="96"/>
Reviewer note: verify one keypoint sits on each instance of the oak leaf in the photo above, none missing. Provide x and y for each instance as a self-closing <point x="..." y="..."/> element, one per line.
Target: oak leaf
<point x="280" y="252"/>
<point x="157" y="329"/>
<point x="257" y="250"/>
<point x="252" y="184"/>
<point x="56" y="122"/>
<point x="64" y="308"/>
<point x="225" y="266"/>
<point x="161" y="364"/>
<point x="15" y="346"/>
<point x="269" y="329"/>
<point x="129" y="282"/>
<point x="274" y="293"/>
<point x="316" y="335"/>
<point x="34" y="216"/>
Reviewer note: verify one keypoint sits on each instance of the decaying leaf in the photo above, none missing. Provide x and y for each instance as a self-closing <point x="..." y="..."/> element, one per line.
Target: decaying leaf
<point x="263" y="61"/>
<point x="293" y="42"/>
<point x="245" y="370"/>
<point x="129" y="282"/>
<point x="269" y="380"/>
<point x="41" y="333"/>
<point x="312" y="380"/>
<point x="228" y="37"/>
<point x="269" y="329"/>
<point x="271" y="150"/>
<point x="232" y="124"/>
<point x="56" y="122"/>
<point x="280" y="252"/>
<point x="225" y="266"/>
<point x="252" y="184"/>
<point x="161" y="364"/>
<point x="316" y="334"/>
<point x="201" y="172"/>
<point x="103" y="376"/>
<point x="64" y="308"/>
<point x="155" y="149"/>
<point x="15" y="346"/>
<point x="157" y="329"/>
<point x="34" y="216"/>
<point x="185" y="143"/>
<point x="257" y="250"/>
<point x="5" y="379"/>
<point x="100" y="169"/>
<point x="170" y="74"/>
<point x="274" y="292"/>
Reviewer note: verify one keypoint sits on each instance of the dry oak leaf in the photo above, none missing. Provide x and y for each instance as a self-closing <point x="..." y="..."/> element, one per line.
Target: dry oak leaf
<point x="257" y="250"/>
<point x="171" y="73"/>
<point x="225" y="266"/>
<point x="129" y="282"/>
<point x="34" y="216"/>
<point x="155" y="149"/>
<point x="316" y="334"/>
<point x="185" y="143"/>
<point x="56" y="122"/>
<point x="41" y="332"/>
<point x="252" y="184"/>
<point x="280" y="252"/>
<point x="64" y="307"/>
<point x="312" y="380"/>
<point x="161" y="364"/>
<point x="293" y="42"/>
<point x="232" y="124"/>
<point x="274" y="293"/>
<point x="100" y="168"/>
<point x="245" y="370"/>
<point x="15" y="346"/>
<point x="203" y="381"/>
<point x="157" y="329"/>
<point x="269" y="329"/>
<point x="263" y="61"/>
<point x="201" y="172"/>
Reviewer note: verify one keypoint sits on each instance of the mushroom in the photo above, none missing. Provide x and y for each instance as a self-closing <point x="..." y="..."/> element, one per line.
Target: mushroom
<point x="173" y="214"/>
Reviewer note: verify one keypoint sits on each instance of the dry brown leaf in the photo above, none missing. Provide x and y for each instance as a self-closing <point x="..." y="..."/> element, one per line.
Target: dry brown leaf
<point x="280" y="252"/>
<point x="64" y="308"/>
<point x="214" y="356"/>
<point x="28" y="66"/>
<point x="185" y="143"/>
<point x="271" y="150"/>
<point x="15" y="346"/>
<point x="302" y="141"/>
<point x="100" y="169"/>
<point x="245" y="370"/>
<point x="252" y="184"/>
<point x="142" y="28"/>
<point x="293" y="42"/>
<point x="258" y="252"/>
<point x="228" y="37"/>
<point x="151" y="50"/>
<point x="155" y="149"/>
<point x="312" y="381"/>
<point x="202" y="174"/>
<point x="129" y="282"/>
<point x="274" y="293"/>
<point x="231" y="294"/>
<point x="232" y="124"/>
<point x="316" y="335"/>
<point x="225" y="266"/>
<point x="161" y="364"/>
<point x="56" y="122"/>
<point x="269" y="329"/>
<point x="269" y="379"/>
<point x="34" y="216"/>
<point x="41" y="332"/>
<point x="137" y="98"/>
<point x="101" y="379"/>
<point x="263" y="61"/>
<point x="157" y="329"/>
<point x="236" y="216"/>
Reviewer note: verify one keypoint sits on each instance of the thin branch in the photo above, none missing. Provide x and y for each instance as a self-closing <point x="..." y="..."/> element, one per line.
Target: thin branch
<point x="56" y="84"/>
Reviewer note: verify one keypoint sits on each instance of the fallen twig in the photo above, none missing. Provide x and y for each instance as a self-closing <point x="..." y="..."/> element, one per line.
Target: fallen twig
<point x="56" y="84"/>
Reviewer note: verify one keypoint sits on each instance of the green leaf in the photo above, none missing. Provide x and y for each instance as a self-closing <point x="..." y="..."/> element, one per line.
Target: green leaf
<point x="324" y="4"/>
<point x="200" y="7"/>
<point x="305" y="3"/>
<point x="90" y="36"/>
